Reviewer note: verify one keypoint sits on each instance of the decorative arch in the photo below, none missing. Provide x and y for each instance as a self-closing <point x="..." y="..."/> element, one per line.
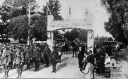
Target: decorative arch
<point x="86" y="24"/>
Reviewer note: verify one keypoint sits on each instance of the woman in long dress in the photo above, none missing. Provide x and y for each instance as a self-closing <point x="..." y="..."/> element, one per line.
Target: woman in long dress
<point x="89" y="68"/>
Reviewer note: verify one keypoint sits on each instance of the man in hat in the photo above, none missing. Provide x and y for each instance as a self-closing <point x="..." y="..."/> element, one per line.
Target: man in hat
<point x="36" y="58"/>
<point x="11" y="57"/>
<point x="19" y="59"/>
<point x="54" y="58"/>
<point x="28" y="57"/>
<point x="74" y="49"/>
<point x="6" y="58"/>
<point x="47" y="53"/>
<point x="1" y="48"/>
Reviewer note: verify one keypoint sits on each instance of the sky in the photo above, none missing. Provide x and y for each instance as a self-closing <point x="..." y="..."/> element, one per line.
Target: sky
<point x="78" y="12"/>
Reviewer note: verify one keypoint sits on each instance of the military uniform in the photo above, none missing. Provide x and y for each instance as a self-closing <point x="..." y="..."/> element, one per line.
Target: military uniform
<point x="47" y="52"/>
<point x="19" y="59"/>
<point x="14" y="63"/>
<point x="54" y="59"/>
<point x="11" y="55"/>
<point x="28" y="57"/>
<point x="0" y="56"/>
<point x="36" y="58"/>
<point x="5" y="60"/>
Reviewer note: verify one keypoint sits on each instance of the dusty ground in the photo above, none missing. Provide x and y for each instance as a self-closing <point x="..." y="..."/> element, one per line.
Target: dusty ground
<point x="68" y="68"/>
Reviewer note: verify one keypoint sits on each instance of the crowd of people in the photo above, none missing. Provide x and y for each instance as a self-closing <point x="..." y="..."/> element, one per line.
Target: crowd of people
<point x="94" y="62"/>
<point x="17" y="56"/>
<point x="20" y="55"/>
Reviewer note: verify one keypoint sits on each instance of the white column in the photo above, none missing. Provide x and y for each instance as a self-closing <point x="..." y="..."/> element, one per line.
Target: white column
<point x="50" y="34"/>
<point x="90" y="40"/>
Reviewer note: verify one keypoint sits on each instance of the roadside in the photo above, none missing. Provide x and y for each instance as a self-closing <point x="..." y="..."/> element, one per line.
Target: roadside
<point x="68" y="68"/>
<point x="119" y="73"/>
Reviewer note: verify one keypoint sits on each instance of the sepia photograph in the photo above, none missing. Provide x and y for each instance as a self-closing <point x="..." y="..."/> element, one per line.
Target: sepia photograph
<point x="71" y="39"/>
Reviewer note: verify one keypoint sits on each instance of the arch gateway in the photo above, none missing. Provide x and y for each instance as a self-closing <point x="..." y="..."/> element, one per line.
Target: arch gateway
<point x="86" y="24"/>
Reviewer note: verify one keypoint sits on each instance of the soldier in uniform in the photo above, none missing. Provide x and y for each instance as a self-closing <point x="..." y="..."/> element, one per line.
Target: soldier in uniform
<point x="6" y="60"/>
<point x="47" y="52"/>
<point x="25" y="54"/>
<point x="19" y="59"/>
<point x="14" y="52"/>
<point x="1" y="48"/>
<point x="36" y="58"/>
<point x="28" y="57"/>
<point x="11" y="54"/>
<point x="54" y="58"/>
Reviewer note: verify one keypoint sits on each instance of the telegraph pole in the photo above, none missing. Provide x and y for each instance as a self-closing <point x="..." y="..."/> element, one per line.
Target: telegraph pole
<point x="28" y="41"/>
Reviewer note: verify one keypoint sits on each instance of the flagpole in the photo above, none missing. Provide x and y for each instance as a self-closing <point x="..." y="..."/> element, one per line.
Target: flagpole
<point x="29" y="24"/>
<point x="69" y="12"/>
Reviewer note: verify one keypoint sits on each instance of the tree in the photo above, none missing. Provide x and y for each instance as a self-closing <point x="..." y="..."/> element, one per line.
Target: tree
<point x="67" y="35"/>
<point x="39" y="29"/>
<point x="54" y="7"/>
<point x="20" y="7"/>
<point x="57" y="35"/>
<point x="72" y="35"/>
<point x="117" y="24"/>
<point x="16" y="12"/>
<point x="83" y="35"/>
<point x="19" y="27"/>
<point x="5" y="17"/>
<point x="20" y="3"/>
<point x="5" y="14"/>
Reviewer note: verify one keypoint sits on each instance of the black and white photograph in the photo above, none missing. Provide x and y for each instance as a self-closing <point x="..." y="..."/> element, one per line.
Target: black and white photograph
<point x="71" y="39"/>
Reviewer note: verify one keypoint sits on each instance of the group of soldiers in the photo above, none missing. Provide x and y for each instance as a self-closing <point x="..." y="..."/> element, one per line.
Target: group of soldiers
<point x="11" y="56"/>
<point x="17" y="56"/>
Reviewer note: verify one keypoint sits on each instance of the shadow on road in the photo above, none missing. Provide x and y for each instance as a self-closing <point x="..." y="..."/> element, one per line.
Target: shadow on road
<point x="41" y="67"/>
<point x="61" y="66"/>
<point x="64" y="59"/>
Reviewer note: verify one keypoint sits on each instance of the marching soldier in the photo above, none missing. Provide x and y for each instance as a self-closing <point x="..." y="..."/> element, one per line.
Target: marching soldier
<point x="28" y="57"/>
<point x="11" y="55"/>
<point x="0" y="54"/>
<point x="54" y="58"/>
<point x="6" y="60"/>
<point x="14" y="52"/>
<point x="19" y="59"/>
<point x="36" y="58"/>
<point x="25" y="54"/>
<point x="47" y="52"/>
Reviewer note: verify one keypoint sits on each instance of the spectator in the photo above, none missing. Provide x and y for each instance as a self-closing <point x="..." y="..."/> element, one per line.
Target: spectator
<point x="89" y="68"/>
